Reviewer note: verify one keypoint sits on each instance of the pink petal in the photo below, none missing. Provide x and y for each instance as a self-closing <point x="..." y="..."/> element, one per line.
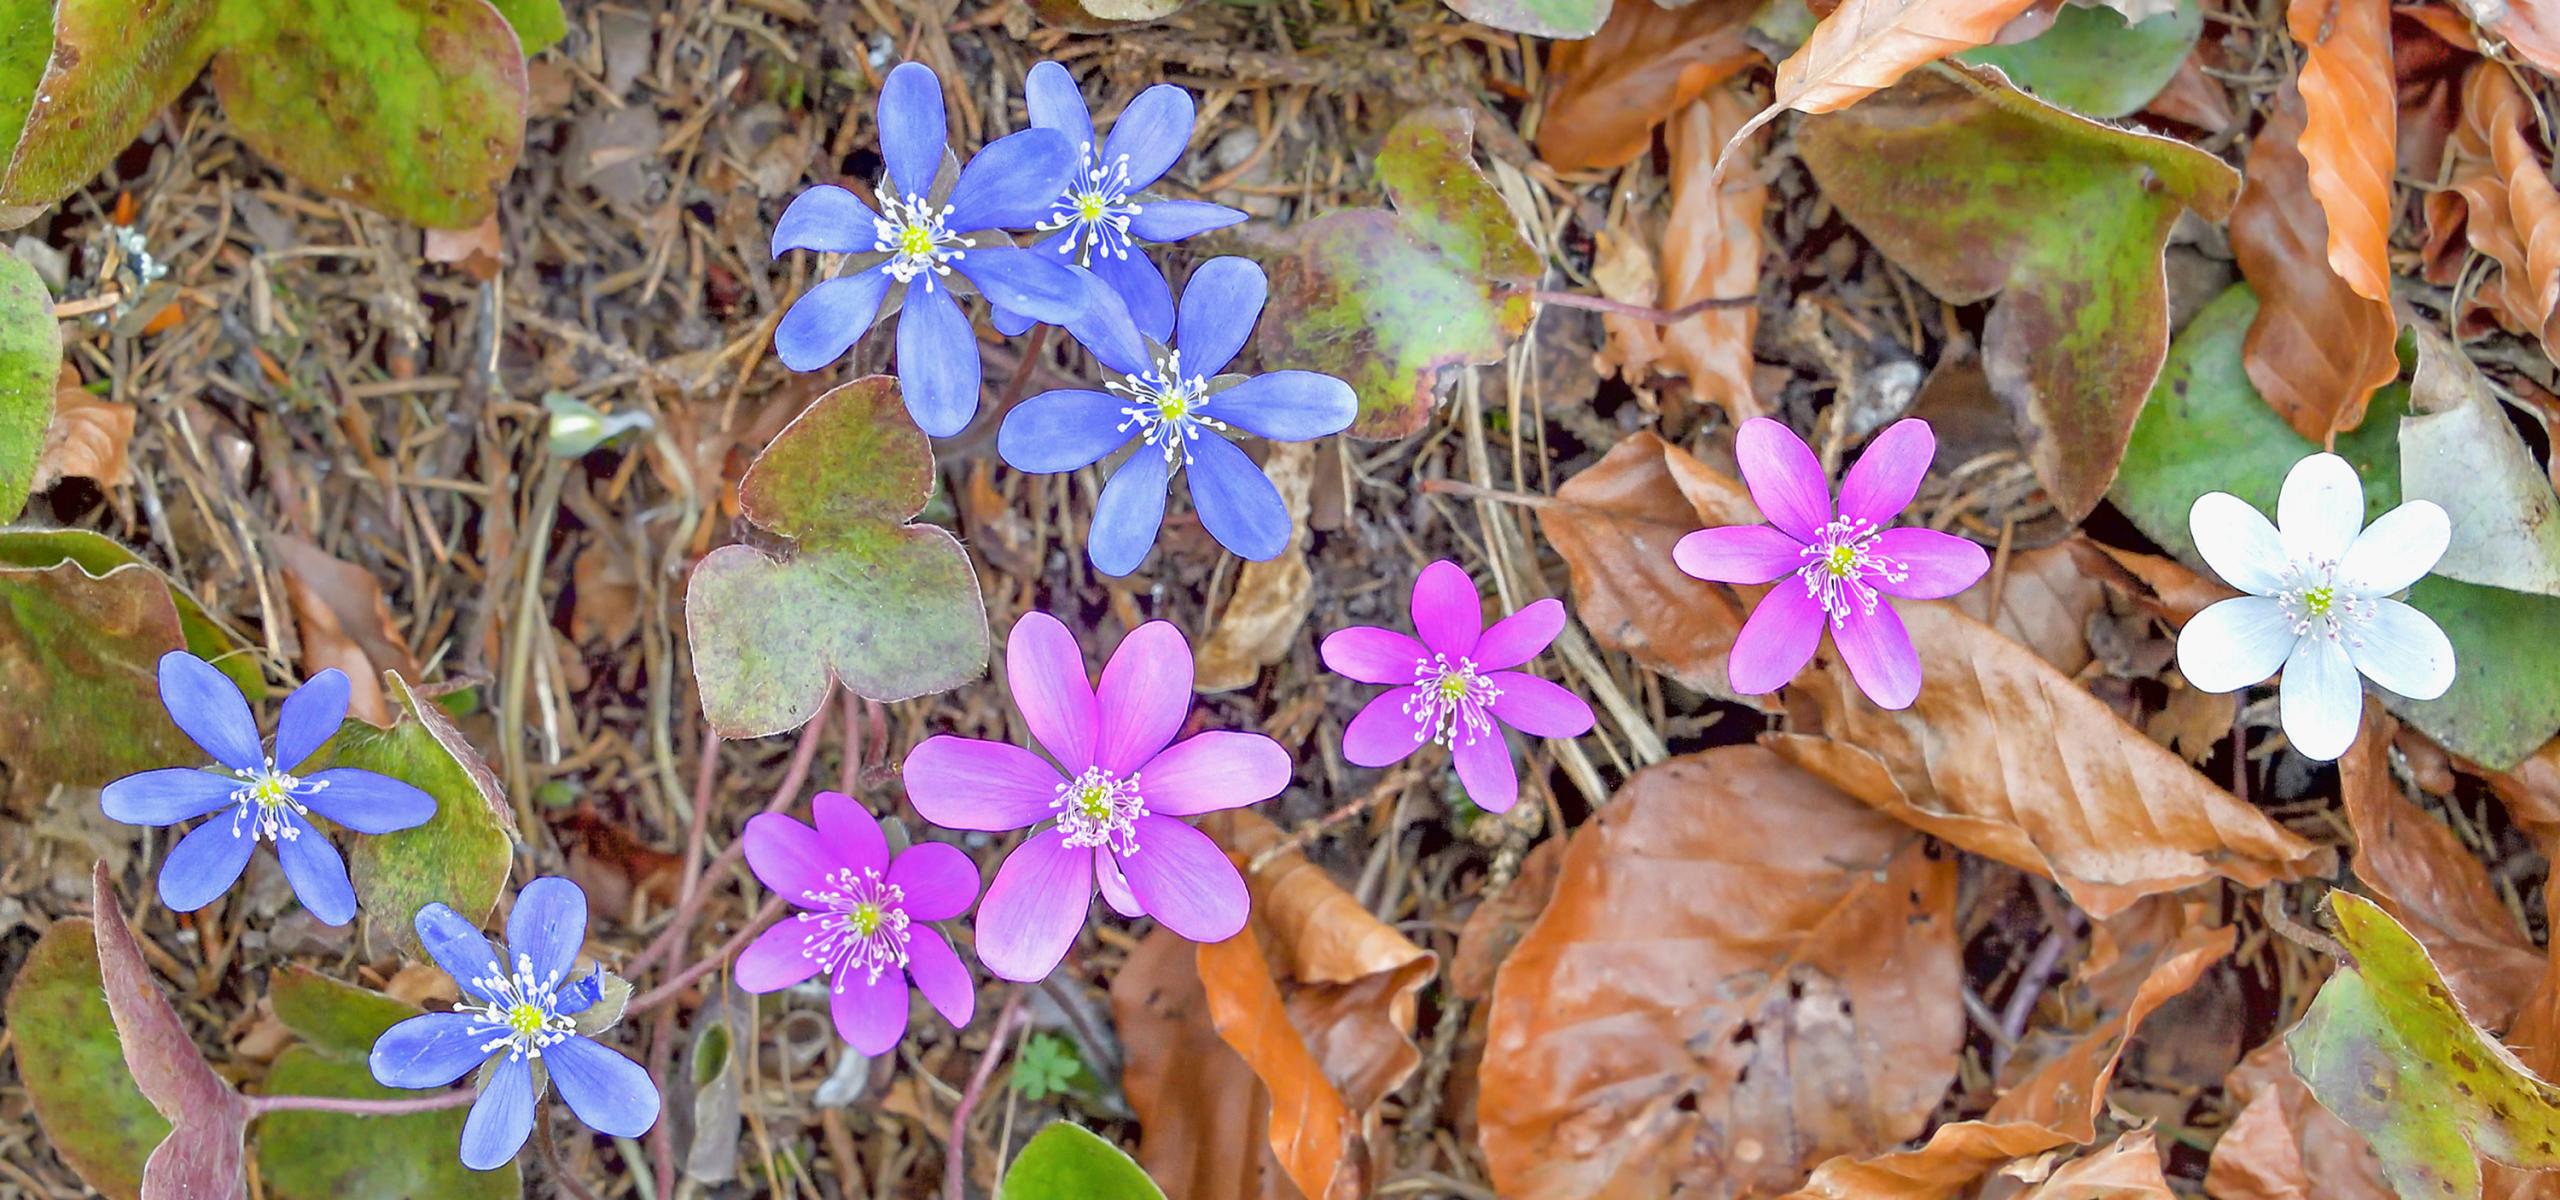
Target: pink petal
<point x="1447" y="612"/>
<point x="1776" y="642"/>
<point x="1883" y="480"/>
<point x="871" y="1015"/>
<point x="1879" y="655"/>
<point x="938" y="880"/>
<point x="1384" y="734"/>
<point x="1515" y="639"/>
<point x="1372" y="655"/>
<point x="1034" y="908"/>
<point x="789" y="857"/>
<point x="1738" y="554"/>
<point x="1937" y="564"/>
<point x="1539" y="707"/>
<point x="941" y="976"/>
<point x="851" y="833"/>
<point x="1115" y="886"/>
<point x="965" y="783"/>
<point x="1184" y="881"/>
<point x="1485" y="767"/>
<point x="1046" y="670"/>
<point x="779" y="957"/>
<point x="1146" y="691"/>
<point x="1210" y="771"/>
<point x="1785" y="478"/>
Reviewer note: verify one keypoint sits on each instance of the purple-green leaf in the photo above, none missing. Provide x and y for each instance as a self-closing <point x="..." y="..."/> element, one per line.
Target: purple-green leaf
<point x="890" y="609"/>
<point x="460" y="857"/>
<point x="78" y="81"/>
<point x="30" y="356"/>
<point x="1541" y="18"/>
<point x="92" y="1114"/>
<point x="206" y="637"/>
<point x="77" y="655"/>
<point x="201" y="1158"/>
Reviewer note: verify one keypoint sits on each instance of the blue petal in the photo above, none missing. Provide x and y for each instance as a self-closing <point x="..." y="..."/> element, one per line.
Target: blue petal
<point x="1106" y="329"/>
<point x="548" y="925"/>
<point x="204" y="864"/>
<point x="826" y="217"/>
<point x="1288" y="406"/>
<point x="1008" y="322"/>
<point x="167" y="796"/>
<point x="208" y="707"/>
<point x="1152" y="131"/>
<point x="458" y="948"/>
<point x="1058" y="248"/>
<point x="607" y="1091"/>
<point x="428" y="1051"/>
<point x="1130" y="512"/>
<point x="828" y="319"/>
<point x="1140" y="286"/>
<point x="311" y="717"/>
<point x="366" y="802"/>
<point x="1064" y="430"/>
<point x="501" y="1118"/>
<point x="1056" y="103"/>
<point x="1236" y="500"/>
<point x="1026" y="282"/>
<point x="318" y="875"/>
<point x="1219" y="307"/>
<point x="581" y="994"/>
<point x="1174" y="220"/>
<point x="937" y="361"/>
<point x="1013" y="181"/>
<point x="913" y="130"/>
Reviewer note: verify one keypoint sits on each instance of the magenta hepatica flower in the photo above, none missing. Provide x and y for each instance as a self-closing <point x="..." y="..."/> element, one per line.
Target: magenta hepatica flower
<point x="1176" y="404"/>
<point x="1103" y="213"/>
<point x="1845" y="563"/>
<point x="907" y="252"/>
<point x="858" y="919"/>
<point x="1108" y="804"/>
<point x="1455" y="686"/>
<point x="514" y="1020"/>
<point x="2319" y="603"/>
<point x="268" y="802"/>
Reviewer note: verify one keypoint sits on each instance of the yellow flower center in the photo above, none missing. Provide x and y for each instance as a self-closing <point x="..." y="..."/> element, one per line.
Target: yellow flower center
<point x="915" y="241"/>
<point x="1094" y="801"/>
<point x="271" y="789"/>
<point x="1091" y="206"/>
<point x="1842" y="560"/>
<point x="525" y="1019"/>
<point x="2316" y="601"/>
<point x="865" y="919"/>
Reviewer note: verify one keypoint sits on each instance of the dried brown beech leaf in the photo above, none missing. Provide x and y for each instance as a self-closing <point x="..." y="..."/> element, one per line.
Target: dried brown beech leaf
<point x="2283" y="1145"/>
<point x="87" y="439"/>
<point x="1201" y="1113"/>
<point x="1742" y="973"/>
<point x="1865" y="46"/>
<point x="1496" y="926"/>
<point x="1649" y="60"/>
<point x="1272" y="598"/>
<point x="1711" y="246"/>
<point x="2128" y="1170"/>
<point x="2046" y="599"/>
<point x="2348" y="139"/>
<point x="2502" y="201"/>
<point x="202" y="1157"/>
<point x="2316" y="350"/>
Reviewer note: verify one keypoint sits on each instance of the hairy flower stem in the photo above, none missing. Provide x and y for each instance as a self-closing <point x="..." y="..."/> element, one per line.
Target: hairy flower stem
<point x="678" y="982"/>
<point x="689" y="902"/>
<point x="1021" y="381"/>
<point x="1659" y="316"/>
<point x="262" y="1105"/>
<point x="955" y="1160"/>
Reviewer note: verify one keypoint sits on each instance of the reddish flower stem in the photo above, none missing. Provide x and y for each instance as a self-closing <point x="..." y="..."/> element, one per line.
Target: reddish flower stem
<point x="689" y="902"/>
<point x="677" y="983"/>
<point x="262" y="1105"/>
<point x="955" y="1162"/>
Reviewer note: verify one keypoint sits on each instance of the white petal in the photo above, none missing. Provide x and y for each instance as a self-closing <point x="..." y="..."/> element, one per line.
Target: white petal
<point x="2403" y="651"/>
<point x="2322" y="700"/>
<point x="2321" y="508"/>
<point x="2234" y="643"/>
<point x="2237" y="543"/>
<point x="2396" y="550"/>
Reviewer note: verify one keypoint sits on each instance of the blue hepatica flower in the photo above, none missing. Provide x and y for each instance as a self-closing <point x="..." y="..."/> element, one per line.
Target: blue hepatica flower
<point x="924" y="233"/>
<point x="1101" y="216"/>
<point x="268" y="802"/>
<point x="1176" y="402"/>
<point x="514" y="1021"/>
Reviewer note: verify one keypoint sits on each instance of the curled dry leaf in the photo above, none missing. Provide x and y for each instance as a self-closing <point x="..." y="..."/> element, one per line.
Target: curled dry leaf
<point x="1711" y="247"/>
<point x="87" y="439"/>
<point x="1865" y="46"/>
<point x="2127" y="1170"/>
<point x="201" y="1159"/>
<point x="1496" y="926"/>
<point x="2502" y="199"/>
<point x="2348" y="135"/>
<point x="344" y="621"/>
<point x="2316" y="350"/>
<point x="1202" y="1115"/>
<point x="1742" y="973"/>
<point x="2283" y="1145"/>
<point x="2458" y="449"/>
<point x="1649" y="60"/>
<point x="1272" y="598"/>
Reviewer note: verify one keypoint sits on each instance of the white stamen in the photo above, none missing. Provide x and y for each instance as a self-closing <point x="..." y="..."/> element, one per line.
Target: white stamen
<point x="863" y="925"/>
<point x="1096" y="206"/>
<point x="1840" y="563"/>
<point x="2318" y="605"/>
<point x="1099" y="808"/>
<point x="522" y="1013"/>
<point x="1452" y="704"/>
<point x="1167" y="408"/>
<point x="910" y="230"/>
<point x="265" y="796"/>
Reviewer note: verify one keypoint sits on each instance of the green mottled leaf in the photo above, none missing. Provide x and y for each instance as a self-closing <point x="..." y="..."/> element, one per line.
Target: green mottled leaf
<point x="890" y="609"/>
<point x="30" y="358"/>
<point x="2092" y="62"/>
<point x="337" y="1019"/>
<point x="73" y="1068"/>
<point x="100" y="554"/>
<point x="460" y="856"/>
<point x="2386" y="1048"/>
<point x="79" y="655"/>
<point x="333" y="1156"/>
<point x="1543" y="18"/>
<point x="1393" y="302"/>
<point x="412" y="107"/>
<point x="1066" y="1161"/>
<point x="539" y="24"/>
<point x="2205" y="429"/>
<point x="1980" y="190"/>
<point x="78" y="82"/>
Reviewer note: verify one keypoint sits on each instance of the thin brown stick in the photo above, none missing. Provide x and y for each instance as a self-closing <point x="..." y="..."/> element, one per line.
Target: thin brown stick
<point x="1396" y="781"/>
<point x="1021" y="380"/>
<point x="677" y="983"/>
<point x="1641" y="312"/>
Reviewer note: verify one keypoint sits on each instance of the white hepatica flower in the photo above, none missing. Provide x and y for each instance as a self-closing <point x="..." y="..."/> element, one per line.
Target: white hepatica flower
<point x="2319" y="604"/>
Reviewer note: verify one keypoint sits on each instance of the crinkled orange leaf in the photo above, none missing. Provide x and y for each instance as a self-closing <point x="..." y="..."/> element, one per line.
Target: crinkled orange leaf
<point x="2348" y="135"/>
<point x="2502" y="196"/>
<point x="2317" y="350"/>
<point x="1606" y="94"/>
<point x="1865" y="46"/>
<point x="2284" y="1145"/>
<point x="1712" y="246"/>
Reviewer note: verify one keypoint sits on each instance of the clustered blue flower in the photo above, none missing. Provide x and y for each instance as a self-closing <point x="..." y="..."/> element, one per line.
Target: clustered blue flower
<point x="1090" y="274"/>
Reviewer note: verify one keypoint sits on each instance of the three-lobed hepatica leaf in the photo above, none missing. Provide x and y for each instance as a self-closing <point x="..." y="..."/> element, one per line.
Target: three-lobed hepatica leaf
<point x="460" y="856"/>
<point x="77" y="654"/>
<point x="2387" y="1049"/>
<point x="890" y="609"/>
<point x="1978" y="189"/>
<point x="91" y="1112"/>
<point x="201" y="1158"/>
<point x="99" y="554"/>
<point x="77" y="83"/>
<point x="30" y="355"/>
<point x="1541" y="18"/>
<point x="1066" y="1161"/>
<point x="2094" y="62"/>
<point x="1394" y="301"/>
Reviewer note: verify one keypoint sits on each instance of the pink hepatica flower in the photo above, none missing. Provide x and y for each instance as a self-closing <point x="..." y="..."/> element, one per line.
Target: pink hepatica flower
<point x="1454" y="685"/>
<point x="1845" y="561"/>
<point x="1108" y="803"/>
<point x="859" y="917"/>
